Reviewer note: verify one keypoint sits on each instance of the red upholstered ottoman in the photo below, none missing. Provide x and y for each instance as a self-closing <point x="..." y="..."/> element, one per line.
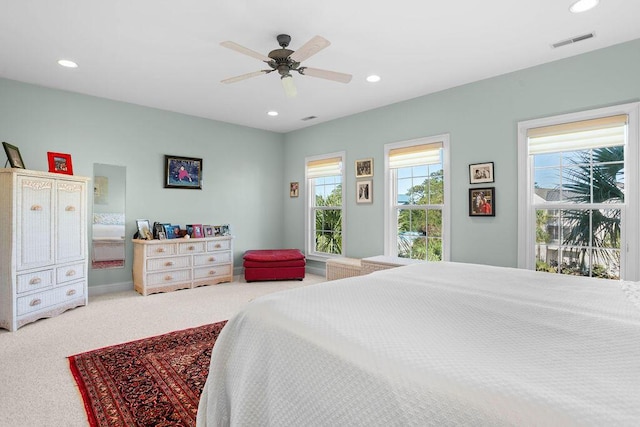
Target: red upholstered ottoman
<point x="273" y="264"/>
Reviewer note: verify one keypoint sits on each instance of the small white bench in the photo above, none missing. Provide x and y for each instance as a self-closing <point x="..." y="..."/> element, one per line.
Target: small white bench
<point x="339" y="268"/>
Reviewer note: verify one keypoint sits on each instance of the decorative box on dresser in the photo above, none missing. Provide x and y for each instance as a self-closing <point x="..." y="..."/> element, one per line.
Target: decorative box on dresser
<point x="43" y="245"/>
<point x="172" y="264"/>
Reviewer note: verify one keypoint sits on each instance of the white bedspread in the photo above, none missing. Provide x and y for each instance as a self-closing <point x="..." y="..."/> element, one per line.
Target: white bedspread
<point x="431" y="344"/>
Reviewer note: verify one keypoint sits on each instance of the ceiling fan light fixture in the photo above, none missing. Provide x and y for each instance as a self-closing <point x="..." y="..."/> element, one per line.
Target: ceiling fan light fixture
<point x="288" y="85"/>
<point x="583" y="5"/>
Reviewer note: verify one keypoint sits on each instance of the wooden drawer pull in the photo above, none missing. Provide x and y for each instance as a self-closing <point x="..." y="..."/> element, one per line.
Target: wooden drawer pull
<point x="218" y="246"/>
<point x="35" y="281"/>
<point x="71" y="273"/>
<point x="160" y="250"/>
<point x="212" y="272"/>
<point x="167" y="278"/>
<point x="212" y="258"/>
<point x="36" y="208"/>
<point x="191" y="248"/>
<point x="168" y="263"/>
<point x="70" y="209"/>
<point x="71" y="292"/>
<point x="35" y="302"/>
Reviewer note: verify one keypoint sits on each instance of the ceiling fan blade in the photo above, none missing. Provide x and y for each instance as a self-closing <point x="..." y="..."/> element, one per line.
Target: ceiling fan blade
<point x="325" y="74"/>
<point x="245" y="50"/>
<point x="245" y="76"/>
<point x="310" y="48"/>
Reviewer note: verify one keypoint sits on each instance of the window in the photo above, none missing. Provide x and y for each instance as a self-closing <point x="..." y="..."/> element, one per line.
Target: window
<point x="579" y="195"/>
<point x="416" y="199"/>
<point x="325" y="196"/>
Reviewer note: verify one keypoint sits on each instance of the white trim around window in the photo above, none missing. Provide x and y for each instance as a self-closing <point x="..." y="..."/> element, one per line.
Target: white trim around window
<point x="630" y="234"/>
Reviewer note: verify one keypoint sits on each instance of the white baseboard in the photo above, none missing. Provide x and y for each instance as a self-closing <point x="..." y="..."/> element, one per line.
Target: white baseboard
<point x="315" y="270"/>
<point x="109" y="288"/>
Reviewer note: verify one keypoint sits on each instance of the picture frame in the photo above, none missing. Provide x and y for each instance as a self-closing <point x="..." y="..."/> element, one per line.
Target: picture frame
<point x="13" y="156"/>
<point x="168" y="231"/>
<point x="144" y="229"/>
<point x="216" y="230"/>
<point x="225" y="230"/>
<point x="481" y="173"/>
<point x="60" y="163"/>
<point x="364" y="168"/>
<point x="364" y="191"/>
<point x="197" y="231"/>
<point x="482" y="201"/>
<point x="182" y="172"/>
<point x="294" y="189"/>
<point x="208" y="231"/>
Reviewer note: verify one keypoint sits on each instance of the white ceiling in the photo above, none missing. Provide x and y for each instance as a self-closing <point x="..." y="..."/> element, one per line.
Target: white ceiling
<point x="166" y="54"/>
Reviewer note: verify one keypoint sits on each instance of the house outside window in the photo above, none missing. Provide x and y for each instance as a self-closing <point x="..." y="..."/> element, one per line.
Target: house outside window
<point x="417" y="199"/>
<point x="325" y="206"/>
<point x="578" y="202"/>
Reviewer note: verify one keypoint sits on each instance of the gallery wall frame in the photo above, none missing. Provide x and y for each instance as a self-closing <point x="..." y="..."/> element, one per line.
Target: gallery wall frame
<point x="364" y="191"/>
<point x="481" y="173"/>
<point x="182" y="172"/>
<point x="482" y="201"/>
<point x="364" y="168"/>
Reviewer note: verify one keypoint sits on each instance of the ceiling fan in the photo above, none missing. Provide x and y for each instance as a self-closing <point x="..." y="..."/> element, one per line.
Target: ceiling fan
<point x="284" y="61"/>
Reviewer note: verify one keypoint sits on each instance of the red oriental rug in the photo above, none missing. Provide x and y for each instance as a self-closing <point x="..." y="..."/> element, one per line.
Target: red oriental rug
<point x="154" y="381"/>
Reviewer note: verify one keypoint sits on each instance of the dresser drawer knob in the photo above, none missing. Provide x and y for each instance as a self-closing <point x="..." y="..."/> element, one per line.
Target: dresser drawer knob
<point x="36" y="208"/>
<point x="160" y="250"/>
<point x="71" y="292"/>
<point x="218" y="246"/>
<point x="71" y="273"/>
<point x="167" y="278"/>
<point x="212" y="272"/>
<point x="212" y="258"/>
<point x="35" y="302"/>
<point x="35" y="281"/>
<point x="168" y="263"/>
<point x="70" y="209"/>
<point x="191" y="248"/>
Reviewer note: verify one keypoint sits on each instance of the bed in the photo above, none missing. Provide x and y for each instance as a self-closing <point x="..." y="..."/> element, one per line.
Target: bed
<point x="432" y="344"/>
<point x="108" y="233"/>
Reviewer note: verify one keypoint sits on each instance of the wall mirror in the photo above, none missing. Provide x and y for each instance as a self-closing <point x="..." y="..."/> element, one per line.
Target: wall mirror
<point x="107" y="226"/>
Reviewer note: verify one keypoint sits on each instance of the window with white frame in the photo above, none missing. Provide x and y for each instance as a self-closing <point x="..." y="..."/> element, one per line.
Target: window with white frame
<point x="325" y="205"/>
<point x="417" y="198"/>
<point x="578" y="202"/>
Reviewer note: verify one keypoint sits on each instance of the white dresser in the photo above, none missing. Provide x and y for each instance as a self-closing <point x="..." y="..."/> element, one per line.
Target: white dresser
<point x="43" y="245"/>
<point x="171" y="264"/>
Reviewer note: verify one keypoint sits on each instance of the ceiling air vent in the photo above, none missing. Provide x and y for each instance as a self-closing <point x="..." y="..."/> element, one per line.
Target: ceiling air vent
<point x="309" y="118"/>
<point x="573" y="40"/>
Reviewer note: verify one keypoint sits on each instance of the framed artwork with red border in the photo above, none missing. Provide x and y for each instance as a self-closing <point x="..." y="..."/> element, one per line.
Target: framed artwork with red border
<point x="60" y="163"/>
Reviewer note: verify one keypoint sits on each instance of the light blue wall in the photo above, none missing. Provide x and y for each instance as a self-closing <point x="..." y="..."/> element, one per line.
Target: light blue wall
<point x="242" y="167"/>
<point x="482" y="120"/>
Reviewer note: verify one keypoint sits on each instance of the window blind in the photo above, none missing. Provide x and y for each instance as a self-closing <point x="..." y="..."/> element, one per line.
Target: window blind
<point x="423" y="154"/>
<point x="324" y="167"/>
<point x="596" y="133"/>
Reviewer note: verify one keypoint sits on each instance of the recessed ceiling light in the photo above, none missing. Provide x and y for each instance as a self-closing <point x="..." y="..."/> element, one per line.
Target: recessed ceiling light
<point x="373" y="78"/>
<point x="583" y="5"/>
<point x="272" y="113"/>
<point x="67" y="63"/>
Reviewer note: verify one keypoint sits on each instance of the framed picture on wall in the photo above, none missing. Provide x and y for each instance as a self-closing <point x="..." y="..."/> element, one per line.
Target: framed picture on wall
<point x="182" y="172"/>
<point x="294" y="189"/>
<point x="482" y="201"/>
<point x="60" y="163"/>
<point x="364" y="191"/>
<point x="480" y="173"/>
<point x="364" y="168"/>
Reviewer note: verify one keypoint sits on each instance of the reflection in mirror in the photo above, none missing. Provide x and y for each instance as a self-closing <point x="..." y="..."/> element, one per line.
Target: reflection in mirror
<point x="107" y="245"/>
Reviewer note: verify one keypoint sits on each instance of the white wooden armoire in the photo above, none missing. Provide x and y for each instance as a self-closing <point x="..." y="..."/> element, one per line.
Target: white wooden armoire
<point x="43" y="245"/>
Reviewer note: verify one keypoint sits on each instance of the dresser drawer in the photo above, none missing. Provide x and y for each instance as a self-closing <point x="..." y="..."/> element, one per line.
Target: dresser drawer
<point x="191" y="247"/>
<point x="41" y="300"/>
<point x="218" y="245"/>
<point x="212" y="258"/>
<point x="33" y="281"/>
<point x="168" y="277"/>
<point x="69" y="273"/>
<point x="161" y="250"/>
<point x="154" y="264"/>
<point x="214" y="271"/>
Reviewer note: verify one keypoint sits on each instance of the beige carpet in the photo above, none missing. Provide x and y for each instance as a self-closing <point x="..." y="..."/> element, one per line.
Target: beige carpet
<point x="36" y="386"/>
